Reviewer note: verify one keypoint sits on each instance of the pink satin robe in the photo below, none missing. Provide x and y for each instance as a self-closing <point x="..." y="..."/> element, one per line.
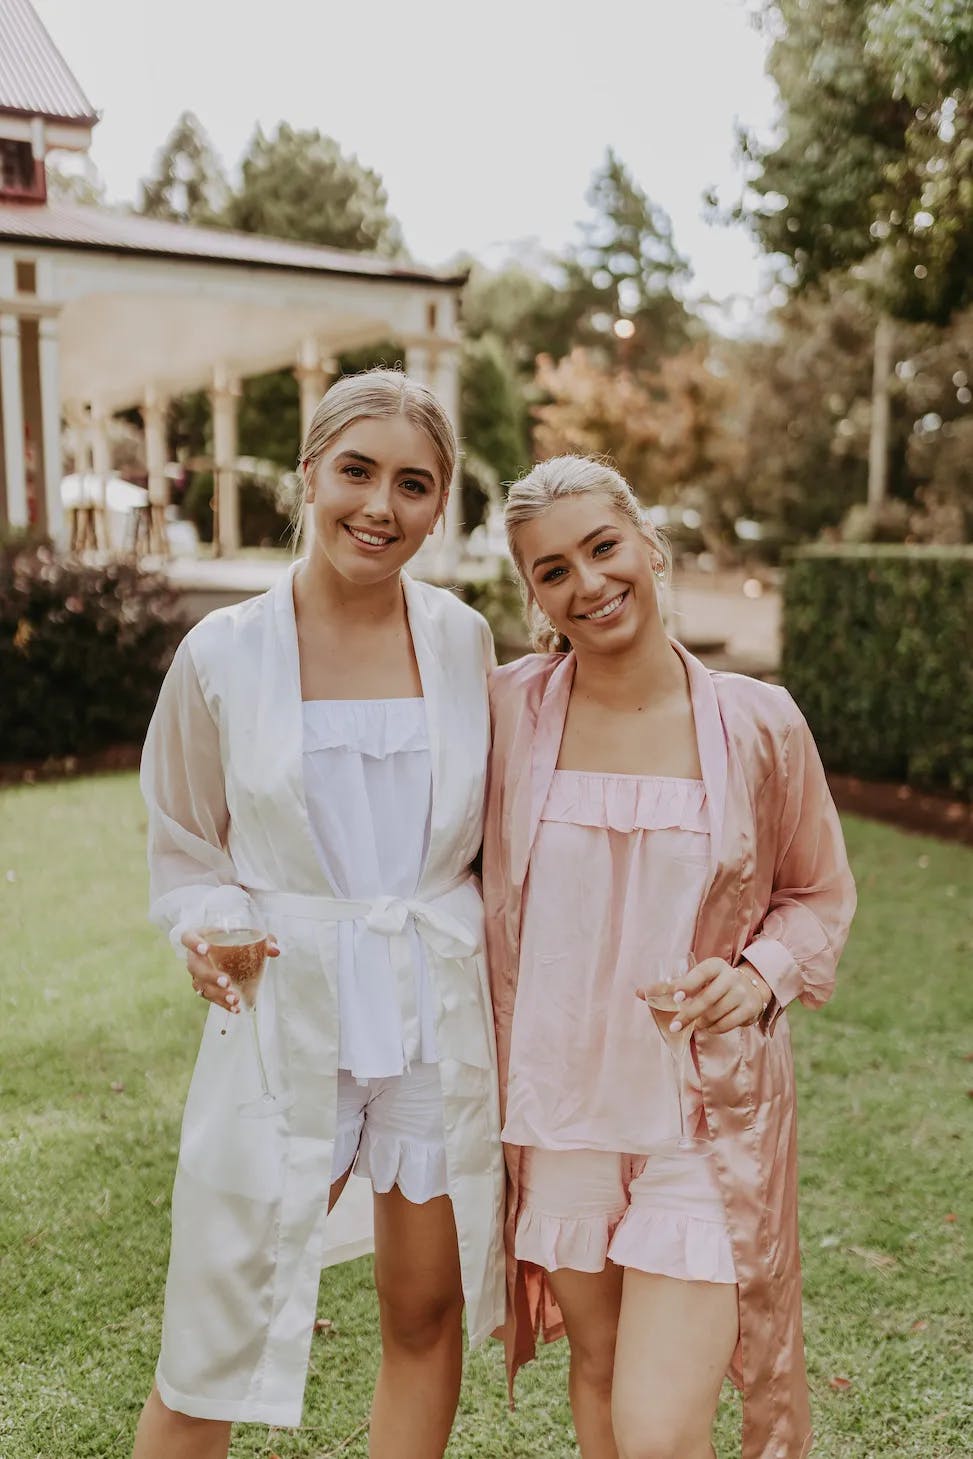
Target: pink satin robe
<point x="780" y="893"/>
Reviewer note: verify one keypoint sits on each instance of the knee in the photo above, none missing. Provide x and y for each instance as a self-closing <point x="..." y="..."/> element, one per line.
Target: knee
<point x="417" y="1324"/>
<point x="654" y="1438"/>
<point x="160" y="1425"/>
<point x="592" y="1364"/>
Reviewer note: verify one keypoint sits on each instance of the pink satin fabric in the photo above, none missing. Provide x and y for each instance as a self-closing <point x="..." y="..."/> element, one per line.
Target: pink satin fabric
<point x="616" y="875"/>
<point x="778" y="892"/>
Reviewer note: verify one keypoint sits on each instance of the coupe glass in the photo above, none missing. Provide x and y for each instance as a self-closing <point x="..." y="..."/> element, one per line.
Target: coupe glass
<point x="238" y="949"/>
<point x="663" y="978"/>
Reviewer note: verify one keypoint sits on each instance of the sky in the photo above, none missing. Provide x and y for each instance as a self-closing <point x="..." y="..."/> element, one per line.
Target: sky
<point x="484" y="121"/>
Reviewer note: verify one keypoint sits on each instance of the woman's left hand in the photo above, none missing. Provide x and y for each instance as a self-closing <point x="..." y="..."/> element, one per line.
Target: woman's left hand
<point x="720" y="998"/>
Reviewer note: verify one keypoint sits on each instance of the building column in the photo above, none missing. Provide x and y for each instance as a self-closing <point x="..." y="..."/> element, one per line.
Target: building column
<point x="314" y="373"/>
<point x="155" y="409"/>
<point x="226" y="526"/>
<point x="12" y="405"/>
<point x="446" y="384"/>
<point x="419" y="362"/>
<point x="50" y="382"/>
<point x="99" y="446"/>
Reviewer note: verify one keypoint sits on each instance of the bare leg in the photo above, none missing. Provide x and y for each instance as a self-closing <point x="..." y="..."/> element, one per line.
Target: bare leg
<point x="675" y="1341"/>
<point x="164" y="1434"/>
<point x="420" y="1298"/>
<point x="589" y="1302"/>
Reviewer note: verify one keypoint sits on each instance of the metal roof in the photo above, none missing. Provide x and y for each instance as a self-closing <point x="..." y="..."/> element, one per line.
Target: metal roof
<point x="34" y="77"/>
<point x="70" y="226"/>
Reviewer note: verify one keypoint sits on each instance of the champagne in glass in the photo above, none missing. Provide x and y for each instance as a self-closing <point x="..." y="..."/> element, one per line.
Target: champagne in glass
<point x="238" y="949"/>
<point x="665" y="975"/>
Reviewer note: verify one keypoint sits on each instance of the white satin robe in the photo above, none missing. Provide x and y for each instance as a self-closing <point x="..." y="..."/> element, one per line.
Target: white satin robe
<point x="222" y="777"/>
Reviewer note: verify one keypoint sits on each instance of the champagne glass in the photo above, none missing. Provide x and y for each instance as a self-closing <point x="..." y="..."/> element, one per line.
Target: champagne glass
<point x="664" y="976"/>
<point x="238" y="949"/>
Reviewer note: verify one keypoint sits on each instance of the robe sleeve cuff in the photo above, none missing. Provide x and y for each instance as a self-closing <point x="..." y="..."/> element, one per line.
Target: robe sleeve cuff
<point x="211" y="904"/>
<point x="779" y="971"/>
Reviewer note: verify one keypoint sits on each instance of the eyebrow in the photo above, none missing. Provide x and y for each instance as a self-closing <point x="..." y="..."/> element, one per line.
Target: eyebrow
<point x="404" y="471"/>
<point x="556" y="556"/>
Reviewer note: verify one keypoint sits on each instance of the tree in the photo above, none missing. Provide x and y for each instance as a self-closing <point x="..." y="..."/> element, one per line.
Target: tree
<point x="925" y="48"/>
<point x="805" y="414"/>
<point x="519" y="307"/>
<point x="300" y="185"/>
<point x="667" y="432"/>
<point x="876" y="133"/>
<point x="188" y="184"/>
<point x="493" y="410"/>
<point x="67" y="182"/>
<point x="626" y="266"/>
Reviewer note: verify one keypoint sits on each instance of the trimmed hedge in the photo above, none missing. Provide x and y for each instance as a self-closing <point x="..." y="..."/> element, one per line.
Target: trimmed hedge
<point x="82" y="654"/>
<point x="876" y="650"/>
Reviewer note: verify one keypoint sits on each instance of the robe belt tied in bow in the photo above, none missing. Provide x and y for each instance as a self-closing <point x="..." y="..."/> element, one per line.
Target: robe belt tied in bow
<point x="442" y="933"/>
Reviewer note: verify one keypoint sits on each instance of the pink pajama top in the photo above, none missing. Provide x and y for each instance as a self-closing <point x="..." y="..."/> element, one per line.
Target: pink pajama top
<point x="616" y="876"/>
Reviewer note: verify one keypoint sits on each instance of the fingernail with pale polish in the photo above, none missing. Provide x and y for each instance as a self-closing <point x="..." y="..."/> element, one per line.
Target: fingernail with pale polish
<point x="202" y="948"/>
<point x="223" y="982"/>
<point x="675" y="1026"/>
<point x="679" y="997"/>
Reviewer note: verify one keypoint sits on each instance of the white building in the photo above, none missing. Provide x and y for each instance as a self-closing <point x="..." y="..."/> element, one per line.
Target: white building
<point x="102" y="311"/>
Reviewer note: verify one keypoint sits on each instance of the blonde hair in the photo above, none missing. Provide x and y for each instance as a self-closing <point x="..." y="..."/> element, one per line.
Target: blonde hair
<point x="552" y="481"/>
<point x="376" y="395"/>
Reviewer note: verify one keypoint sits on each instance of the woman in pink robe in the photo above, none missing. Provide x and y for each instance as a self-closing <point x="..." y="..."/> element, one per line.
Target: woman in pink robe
<point x="614" y="740"/>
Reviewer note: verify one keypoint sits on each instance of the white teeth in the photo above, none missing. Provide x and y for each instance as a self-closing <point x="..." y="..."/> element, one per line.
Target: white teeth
<point x="608" y="608"/>
<point x="372" y="541"/>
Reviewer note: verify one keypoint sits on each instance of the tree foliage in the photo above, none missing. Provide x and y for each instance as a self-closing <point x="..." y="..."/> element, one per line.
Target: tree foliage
<point x="802" y="419"/>
<point x="873" y="163"/>
<point x="494" y="412"/>
<point x="187" y="184"/>
<point x="626" y="265"/>
<point x="300" y="185"/>
<point x="666" y="431"/>
<point x="519" y="307"/>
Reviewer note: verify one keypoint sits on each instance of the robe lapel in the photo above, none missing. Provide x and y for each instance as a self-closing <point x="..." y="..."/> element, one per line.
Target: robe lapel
<point x="431" y="658"/>
<point x="549" y="730"/>
<point x="711" y="743"/>
<point x="280" y="727"/>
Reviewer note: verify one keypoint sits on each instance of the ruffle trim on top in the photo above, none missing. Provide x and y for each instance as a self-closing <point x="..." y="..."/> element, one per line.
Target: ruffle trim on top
<point x="580" y="1243"/>
<point x="627" y="802"/>
<point x="417" y="1167"/>
<point x="670" y="1243"/>
<point x="374" y="727"/>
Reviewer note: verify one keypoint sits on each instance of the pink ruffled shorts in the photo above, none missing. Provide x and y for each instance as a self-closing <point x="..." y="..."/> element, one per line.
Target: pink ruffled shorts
<point x="654" y="1213"/>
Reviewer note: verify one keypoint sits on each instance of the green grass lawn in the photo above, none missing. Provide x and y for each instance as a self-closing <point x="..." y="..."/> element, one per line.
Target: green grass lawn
<point x="97" y="1037"/>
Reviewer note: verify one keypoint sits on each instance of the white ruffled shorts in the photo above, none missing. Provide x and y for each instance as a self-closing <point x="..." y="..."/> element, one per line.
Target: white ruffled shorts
<point x="391" y="1130"/>
<point x="657" y="1214"/>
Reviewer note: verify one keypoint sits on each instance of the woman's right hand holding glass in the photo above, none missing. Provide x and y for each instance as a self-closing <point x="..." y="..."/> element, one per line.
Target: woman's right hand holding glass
<point x="208" y="981"/>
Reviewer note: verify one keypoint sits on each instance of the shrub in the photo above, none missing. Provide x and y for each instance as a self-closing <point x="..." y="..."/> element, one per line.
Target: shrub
<point x="876" y="650"/>
<point x="499" y="600"/>
<point x="82" y="653"/>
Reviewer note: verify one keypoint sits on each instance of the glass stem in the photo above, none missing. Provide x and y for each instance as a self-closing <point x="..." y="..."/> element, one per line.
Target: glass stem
<point x="265" y="1083"/>
<point x="679" y="1061"/>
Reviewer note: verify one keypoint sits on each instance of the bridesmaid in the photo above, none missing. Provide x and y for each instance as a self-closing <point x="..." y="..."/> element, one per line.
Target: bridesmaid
<point x="317" y="763"/>
<point x="642" y="810"/>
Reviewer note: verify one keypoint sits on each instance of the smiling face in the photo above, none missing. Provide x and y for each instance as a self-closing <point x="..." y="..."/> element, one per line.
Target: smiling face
<point x="591" y="571"/>
<point x="374" y="495"/>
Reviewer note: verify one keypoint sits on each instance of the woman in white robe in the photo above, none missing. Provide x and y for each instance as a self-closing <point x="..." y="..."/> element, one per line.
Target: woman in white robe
<point x="317" y="763"/>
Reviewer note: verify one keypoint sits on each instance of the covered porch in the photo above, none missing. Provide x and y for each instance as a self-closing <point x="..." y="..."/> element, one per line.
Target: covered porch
<point x="102" y="312"/>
